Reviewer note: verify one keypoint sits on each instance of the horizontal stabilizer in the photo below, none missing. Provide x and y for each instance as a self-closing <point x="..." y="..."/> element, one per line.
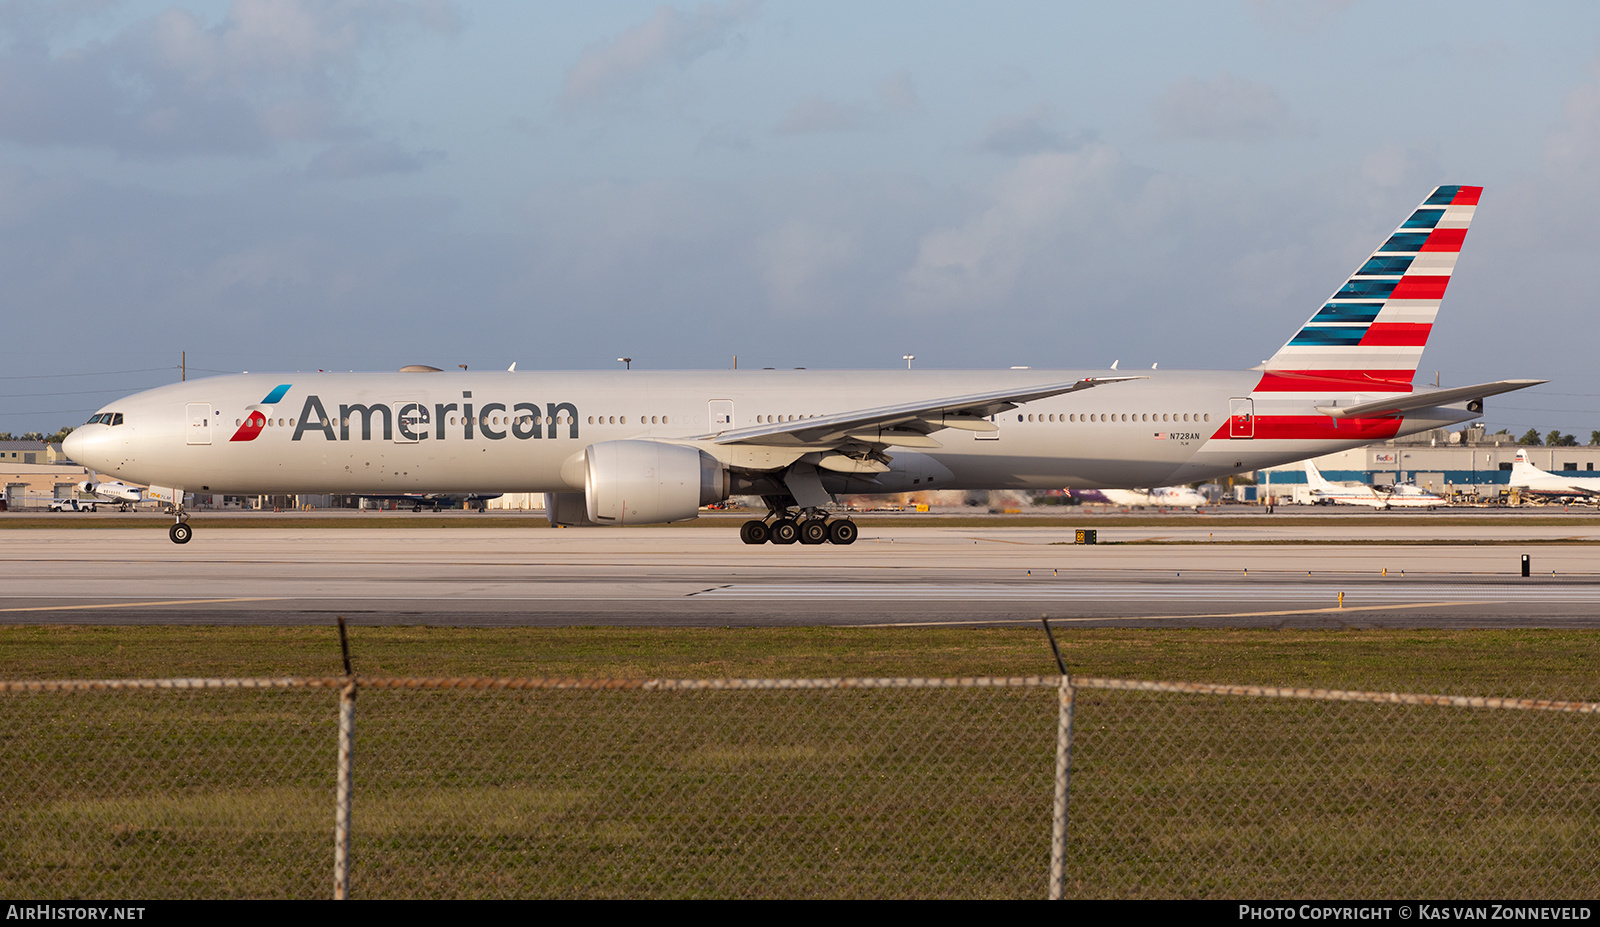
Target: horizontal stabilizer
<point x="1423" y="400"/>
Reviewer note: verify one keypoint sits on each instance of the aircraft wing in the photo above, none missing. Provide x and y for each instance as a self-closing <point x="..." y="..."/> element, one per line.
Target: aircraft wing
<point x="1437" y="397"/>
<point x="907" y="424"/>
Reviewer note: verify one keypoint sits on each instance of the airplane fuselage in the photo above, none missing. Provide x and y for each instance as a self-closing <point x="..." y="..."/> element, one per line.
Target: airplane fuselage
<point x="527" y="431"/>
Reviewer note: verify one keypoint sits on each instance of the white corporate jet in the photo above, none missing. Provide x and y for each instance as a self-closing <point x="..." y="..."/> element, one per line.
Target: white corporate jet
<point x="640" y="447"/>
<point x="1534" y="481"/>
<point x="115" y="492"/>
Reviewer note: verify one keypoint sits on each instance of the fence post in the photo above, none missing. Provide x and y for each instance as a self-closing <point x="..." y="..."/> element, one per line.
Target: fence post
<point x="341" y="818"/>
<point x="1058" y="825"/>
<point x="1058" y="820"/>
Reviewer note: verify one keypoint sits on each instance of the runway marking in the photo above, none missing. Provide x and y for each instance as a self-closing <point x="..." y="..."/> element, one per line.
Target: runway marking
<point x="1302" y="611"/>
<point x="1041" y="591"/>
<point x="73" y="608"/>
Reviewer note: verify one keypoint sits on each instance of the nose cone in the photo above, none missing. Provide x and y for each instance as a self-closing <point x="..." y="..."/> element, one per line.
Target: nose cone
<point x="86" y="446"/>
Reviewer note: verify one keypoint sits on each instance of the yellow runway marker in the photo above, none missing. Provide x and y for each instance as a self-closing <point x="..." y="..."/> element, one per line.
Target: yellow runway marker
<point x="1299" y="611"/>
<point x="72" y="608"/>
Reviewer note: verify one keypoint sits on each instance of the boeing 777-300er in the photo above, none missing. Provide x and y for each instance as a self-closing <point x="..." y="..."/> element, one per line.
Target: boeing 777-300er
<point x="638" y="447"/>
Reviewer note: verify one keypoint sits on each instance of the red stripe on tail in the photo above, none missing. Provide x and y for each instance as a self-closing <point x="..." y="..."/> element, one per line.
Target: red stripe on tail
<point x="1397" y="334"/>
<point x="1444" y="240"/>
<point x="1321" y="381"/>
<point x="1420" y="287"/>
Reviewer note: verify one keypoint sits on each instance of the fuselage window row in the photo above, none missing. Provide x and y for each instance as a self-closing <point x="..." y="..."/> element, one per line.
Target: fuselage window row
<point x="1123" y="417"/>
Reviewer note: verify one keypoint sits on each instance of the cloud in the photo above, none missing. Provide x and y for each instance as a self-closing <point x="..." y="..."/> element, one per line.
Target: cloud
<point x="368" y="159"/>
<point x="1029" y="133"/>
<point x="801" y="261"/>
<point x="1301" y="16"/>
<point x="897" y="96"/>
<point x="1030" y="209"/>
<point x="170" y="84"/>
<point x="817" y="114"/>
<point x="1223" y="108"/>
<point x="669" y="39"/>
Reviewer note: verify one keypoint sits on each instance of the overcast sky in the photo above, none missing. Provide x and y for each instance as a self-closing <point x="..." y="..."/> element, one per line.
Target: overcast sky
<point x="363" y="184"/>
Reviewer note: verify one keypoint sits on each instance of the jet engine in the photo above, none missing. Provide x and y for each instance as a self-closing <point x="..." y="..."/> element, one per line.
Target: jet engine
<point x="647" y="482"/>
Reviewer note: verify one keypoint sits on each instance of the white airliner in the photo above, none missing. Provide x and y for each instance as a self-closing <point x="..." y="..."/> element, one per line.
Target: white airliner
<point x="639" y="447"/>
<point x="1534" y="481"/>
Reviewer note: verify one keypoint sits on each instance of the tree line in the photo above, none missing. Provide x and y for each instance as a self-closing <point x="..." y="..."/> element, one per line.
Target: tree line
<point x="1554" y="439"/>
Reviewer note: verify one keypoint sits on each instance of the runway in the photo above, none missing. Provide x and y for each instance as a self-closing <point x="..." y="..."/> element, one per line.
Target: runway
<point x="1224" y="577"/>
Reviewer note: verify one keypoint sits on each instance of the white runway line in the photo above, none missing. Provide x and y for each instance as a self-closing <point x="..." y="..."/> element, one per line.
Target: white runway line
<point x="1143" y="593"/>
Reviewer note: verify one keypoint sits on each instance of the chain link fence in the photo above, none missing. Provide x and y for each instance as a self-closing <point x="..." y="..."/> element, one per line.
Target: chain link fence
<point x="471" y="788"/>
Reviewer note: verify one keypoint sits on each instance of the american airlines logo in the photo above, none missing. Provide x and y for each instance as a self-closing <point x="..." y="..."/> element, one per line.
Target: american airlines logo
<point x="419" y="421"/>
<point x="257" y="420"/>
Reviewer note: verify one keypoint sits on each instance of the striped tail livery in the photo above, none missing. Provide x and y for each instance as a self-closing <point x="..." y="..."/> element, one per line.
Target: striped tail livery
<point x="1367" y="338"/>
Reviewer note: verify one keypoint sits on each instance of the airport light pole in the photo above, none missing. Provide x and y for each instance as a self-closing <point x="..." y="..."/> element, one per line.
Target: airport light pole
<point x="908" y="358"/>
<point x="626" y="360"/>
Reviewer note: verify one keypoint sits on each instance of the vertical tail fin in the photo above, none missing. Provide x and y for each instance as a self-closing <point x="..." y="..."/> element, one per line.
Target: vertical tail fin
<point x="1369" y="335"/>
<point x="1315" y="479"/>
<point x="1523" y="467"/>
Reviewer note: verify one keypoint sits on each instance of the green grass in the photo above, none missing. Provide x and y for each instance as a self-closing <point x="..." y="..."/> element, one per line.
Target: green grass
<point x="1492" y="662"/>
<point x="885" y="793"/>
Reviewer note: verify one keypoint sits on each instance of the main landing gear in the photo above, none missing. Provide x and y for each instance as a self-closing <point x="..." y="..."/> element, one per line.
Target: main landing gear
<point x="810" y="527"/>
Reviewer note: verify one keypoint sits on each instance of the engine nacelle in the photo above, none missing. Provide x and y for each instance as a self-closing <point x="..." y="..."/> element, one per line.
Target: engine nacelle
<point x="647" y="482"/>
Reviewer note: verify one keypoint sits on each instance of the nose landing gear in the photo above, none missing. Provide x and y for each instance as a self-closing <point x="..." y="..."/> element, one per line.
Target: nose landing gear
<point x="180" y="532"/>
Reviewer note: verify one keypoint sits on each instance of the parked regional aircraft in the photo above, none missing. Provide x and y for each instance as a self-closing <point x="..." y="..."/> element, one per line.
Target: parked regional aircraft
<point x="1324" y="492"/>
<point x="637" y="447"/>
<point x="1178" y="497"/>
<point x="1401" y="495"/>
<point x="1410" y="495"/>
<point x="1532" y="480"/>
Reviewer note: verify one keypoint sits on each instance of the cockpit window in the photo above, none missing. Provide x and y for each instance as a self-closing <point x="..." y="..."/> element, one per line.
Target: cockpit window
<point x="106" y="418"/>
<point x="116" y="418"/>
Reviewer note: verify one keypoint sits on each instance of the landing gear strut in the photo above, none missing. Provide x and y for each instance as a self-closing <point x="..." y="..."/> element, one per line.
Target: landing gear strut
<point x="180" y="532"/>
<point x="810" y="527"/>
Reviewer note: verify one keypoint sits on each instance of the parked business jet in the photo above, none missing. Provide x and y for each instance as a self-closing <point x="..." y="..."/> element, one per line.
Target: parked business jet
<point x="115" y="492"/>
<point x="1534" y="481"/>
<point x="638" y="447"/>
